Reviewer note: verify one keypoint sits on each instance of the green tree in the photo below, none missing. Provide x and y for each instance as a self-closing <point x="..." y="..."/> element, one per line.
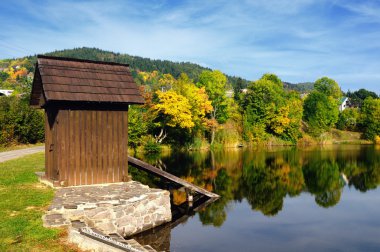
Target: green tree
<point x="273" y="78"/>
<point x="357" y="98"/>
<point x="321" y="112"/>
<point x="328" y="87"/>
<point x="215" y="84"/>
<point x="370" y="118"/>
<point x="137" y="126"/>
<point x="348" y="119"/>
<point x="295" y="112"/>
<point x="268" y="109"/>
<point x="261" y="102"/>
<point x="237" y="89"/>
<point x="18" y="122"/>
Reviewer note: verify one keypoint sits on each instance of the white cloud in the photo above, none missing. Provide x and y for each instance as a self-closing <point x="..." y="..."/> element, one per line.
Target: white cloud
<point x="299" y="40"/>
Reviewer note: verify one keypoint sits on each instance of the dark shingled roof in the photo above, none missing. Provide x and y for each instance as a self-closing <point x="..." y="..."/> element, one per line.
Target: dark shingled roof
<point x="74" y="80"/>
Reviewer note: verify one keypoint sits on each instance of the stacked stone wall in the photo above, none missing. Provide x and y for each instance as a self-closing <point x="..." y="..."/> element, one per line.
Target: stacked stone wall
<point x="124" y="209"/>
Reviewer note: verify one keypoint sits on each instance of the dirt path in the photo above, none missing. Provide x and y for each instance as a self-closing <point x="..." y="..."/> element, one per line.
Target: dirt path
<point x="8" y="155"/>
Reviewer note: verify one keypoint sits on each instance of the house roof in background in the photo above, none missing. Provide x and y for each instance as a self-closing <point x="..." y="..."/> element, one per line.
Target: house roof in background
<point x="76" y="80"/>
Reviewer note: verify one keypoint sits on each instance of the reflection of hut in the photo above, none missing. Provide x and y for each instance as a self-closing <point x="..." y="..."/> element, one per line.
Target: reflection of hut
<point x="86" y="118"/>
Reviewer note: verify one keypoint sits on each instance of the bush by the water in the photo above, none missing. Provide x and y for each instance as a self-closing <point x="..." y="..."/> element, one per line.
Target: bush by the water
<point x="152" y="147"/>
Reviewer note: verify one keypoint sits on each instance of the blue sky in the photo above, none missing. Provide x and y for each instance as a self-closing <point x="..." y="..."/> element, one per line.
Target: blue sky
<point x="299" y="40"/>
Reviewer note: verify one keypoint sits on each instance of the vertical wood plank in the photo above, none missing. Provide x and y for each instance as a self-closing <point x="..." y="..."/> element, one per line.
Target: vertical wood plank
<point x="60" y="145"/>
<point x="114" y="145"/>
<point x="125" y="145"/>
<point x="63" y="121"/>
<point x="67" y="143"/>
<point x="122" y="147"/>
<point x="71" y="158"/>
<point x="117" y="144"/>
<point x="100" y="144"/>
<point x="107" y="151"/>
<point x="57" y="148"/>
<point x="77" y="147"/>
<point x="82" y="135"/>
<point x="88" y="147"/>
<point x="94" y="144"/>
<point x="47" y="146"/>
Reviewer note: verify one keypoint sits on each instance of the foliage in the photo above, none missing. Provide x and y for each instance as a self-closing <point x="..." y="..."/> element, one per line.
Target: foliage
<point x="321" y="112"/>
<point x="273" y="79"/>
<point x="328" y="87"/>
<point x="348" y="119"/>
<point x="185" y="103"/>
<point x="304" y="87"/>
<point x="268" y="109"/>
<point x="136" y="63"/>
<point x="137" y="126"/>
<point x="174" y="110"/>
<point x="22" y="204"/>
<point x="215" y="84"/>
<point x="377" y="140"/>
<point x="198" y="99"/>
<point x="238" y="89"/>
<point x="370" y="118"/>
<point x="152" y="146"/>
<point x="357" y="98"/>
<point x="18" y="122"/>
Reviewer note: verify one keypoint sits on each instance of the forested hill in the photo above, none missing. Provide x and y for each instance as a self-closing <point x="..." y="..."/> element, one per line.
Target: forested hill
<point x="139" y="63"/>
<point x="304" y="87"/>
<point x="146" y="65"/>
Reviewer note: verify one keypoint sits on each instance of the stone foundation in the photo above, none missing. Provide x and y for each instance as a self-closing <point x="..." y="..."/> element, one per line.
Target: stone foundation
<point x="124" y="208"/>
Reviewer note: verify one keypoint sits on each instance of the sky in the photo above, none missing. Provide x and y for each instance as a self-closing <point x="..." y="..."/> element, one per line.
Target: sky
<point x="299" y="40"/>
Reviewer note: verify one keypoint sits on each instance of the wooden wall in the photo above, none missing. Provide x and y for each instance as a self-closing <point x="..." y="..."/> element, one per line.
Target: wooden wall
<point x="89" y="147"/>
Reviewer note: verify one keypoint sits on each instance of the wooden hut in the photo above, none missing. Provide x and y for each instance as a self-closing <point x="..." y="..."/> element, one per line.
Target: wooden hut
<point x="86" y="118"/>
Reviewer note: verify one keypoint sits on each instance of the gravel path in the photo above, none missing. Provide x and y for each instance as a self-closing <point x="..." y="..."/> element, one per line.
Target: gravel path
<point x="8" y="155"/>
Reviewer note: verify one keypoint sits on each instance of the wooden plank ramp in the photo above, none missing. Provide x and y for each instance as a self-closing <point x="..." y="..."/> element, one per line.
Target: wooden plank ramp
<point x="163" y="174"/>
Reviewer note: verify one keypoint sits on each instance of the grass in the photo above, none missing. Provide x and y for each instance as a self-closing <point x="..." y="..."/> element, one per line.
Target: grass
<point x="23" y="201"/>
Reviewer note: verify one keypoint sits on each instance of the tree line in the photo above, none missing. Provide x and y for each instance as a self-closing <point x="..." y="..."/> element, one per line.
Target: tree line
<point x="201" y="112"/>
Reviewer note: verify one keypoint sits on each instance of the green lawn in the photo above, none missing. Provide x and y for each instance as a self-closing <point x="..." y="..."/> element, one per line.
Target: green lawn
<point x="23" y="201"/>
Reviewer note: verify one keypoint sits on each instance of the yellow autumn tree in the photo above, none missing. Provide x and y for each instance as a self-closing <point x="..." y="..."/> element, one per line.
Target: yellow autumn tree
<point x="173" y="110"/>
<point x="199" y="102"/>
<point x="197" y="97"/>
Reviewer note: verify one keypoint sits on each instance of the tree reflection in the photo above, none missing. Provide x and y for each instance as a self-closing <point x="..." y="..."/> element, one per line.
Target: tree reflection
<point x="364" y="171"/>
<point x="216" y="214"/>
<point x="265" y="178"/>
<point x="322" y="178"/>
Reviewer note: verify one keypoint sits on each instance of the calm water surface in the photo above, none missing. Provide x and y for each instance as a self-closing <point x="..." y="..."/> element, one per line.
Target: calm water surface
<point x="319" y="199"/>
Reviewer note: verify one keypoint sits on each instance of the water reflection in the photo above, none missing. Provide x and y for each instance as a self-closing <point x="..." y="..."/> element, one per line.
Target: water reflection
<point x="265" y="178"/>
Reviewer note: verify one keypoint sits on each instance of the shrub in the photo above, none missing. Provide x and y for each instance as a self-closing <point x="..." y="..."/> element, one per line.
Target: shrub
<point x="151" y="146"/>
<point x="19" y="123"/>
<point x="377" y="140"/>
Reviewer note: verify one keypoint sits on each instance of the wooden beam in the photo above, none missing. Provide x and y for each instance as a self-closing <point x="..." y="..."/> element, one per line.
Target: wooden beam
<point x="155" y="171"/>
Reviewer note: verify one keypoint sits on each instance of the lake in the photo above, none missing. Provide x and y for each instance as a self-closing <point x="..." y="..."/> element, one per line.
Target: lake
<point x="279" y="199"/>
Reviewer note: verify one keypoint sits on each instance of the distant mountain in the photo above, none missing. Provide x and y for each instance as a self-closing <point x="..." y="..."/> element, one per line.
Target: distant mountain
<point x="148" y="65"/>
<point x="137" y="63"/>
<point x="303" y="87"/>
